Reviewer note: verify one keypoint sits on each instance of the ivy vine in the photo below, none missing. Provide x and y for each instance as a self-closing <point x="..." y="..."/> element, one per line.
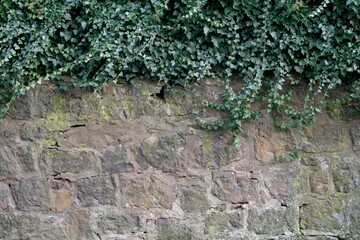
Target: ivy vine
<point x="270" y="45"/>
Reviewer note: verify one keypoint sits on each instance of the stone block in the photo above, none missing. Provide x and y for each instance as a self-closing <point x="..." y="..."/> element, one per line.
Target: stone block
<point x="15" y="226"/>
<point x="287" y="183"/>
<point x="31" y="133"/>
<point x="22" y="108"/>
<point x="193" y="198"/>
<point x="321" y="139"/>
<point x="163" y="153"/>
<point x="55" y="161"/>
<point x="220" y="222"/>
<point x="169" y="229"/>
<point x="214" y="152"/>
<point x="5" y="197"/>
<point x="27" y="156"/>
<point x="113" y="160"/>
<point x="73" y="225"/>
<point x="355" y="137"/>
<point x="7" y="163"/>
<point x="345" y="174"/>
<point x="114" y="222"/>
<point x="274" y="221"/>
<point x="235" y="187"/>
<point x="146" y="192"/>
<point x="353" y="216"/>
<point x="320" y="180"/>
<point x="322" y="217"/>
<point x="31" y="193"/>
<point x="95" y="191"/>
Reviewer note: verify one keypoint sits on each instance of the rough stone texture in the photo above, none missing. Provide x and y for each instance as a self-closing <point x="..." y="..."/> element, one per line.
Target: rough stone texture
<point x="96" y="191"/>
<point x="113" y="159"/>
<point x="169" y="229"/>
<point x="146" y="192"/>
<point x="130" y="165"/>
<point x="321" y="139"/>
<point x="322" y="217"/>
<point x="355" y="137"/>
<point x="274" y="221"/>
<point x="55" y="161"/>
<point x="31" y="193"/>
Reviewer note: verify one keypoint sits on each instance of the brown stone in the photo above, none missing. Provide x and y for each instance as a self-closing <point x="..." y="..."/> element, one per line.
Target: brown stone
<point x="62" y="201"/>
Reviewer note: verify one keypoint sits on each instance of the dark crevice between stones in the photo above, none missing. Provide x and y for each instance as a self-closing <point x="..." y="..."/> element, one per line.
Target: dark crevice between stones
<point x="161" y="94"/>
<point x="240" y="205"/>
<point x="300" y="227"/>
<point x="78" y="125"/>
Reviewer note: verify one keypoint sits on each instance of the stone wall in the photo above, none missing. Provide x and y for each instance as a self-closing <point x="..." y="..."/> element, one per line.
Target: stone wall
<point x="132" y="164"/>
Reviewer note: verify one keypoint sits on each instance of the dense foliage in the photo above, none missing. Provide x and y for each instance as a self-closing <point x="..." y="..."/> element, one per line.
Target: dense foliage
<point x="268" y="44"/>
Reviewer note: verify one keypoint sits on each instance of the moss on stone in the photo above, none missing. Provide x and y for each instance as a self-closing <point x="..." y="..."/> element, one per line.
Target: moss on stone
<point x="105" y="112"/>
<point x="333" y="108"/>
<point x="82" y="118"/>
<point x="56" y="119"/>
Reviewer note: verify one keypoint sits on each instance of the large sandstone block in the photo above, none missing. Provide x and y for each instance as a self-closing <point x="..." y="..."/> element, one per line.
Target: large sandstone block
<point x="95" y="191"/>
<point x="168" y="229"/>
<point x="163" y="153"/>
<point x="114" y="160"/>
<point x="31" y="194"/>
<point x="193" y="198"/>
<point x="322" y="217"/>
<point x="355" y="136"/>
<point x="111" y="222"/>
<point x="146" y="192"/>
<point x="7" y="161"/>
<point x="218" y="223"/>
<point x="56" y="161"/>
<point x="235" y="187"/>
<point x="274" y="221"/>
<point x="321" y="139"/>
<point x="15" y="226"/>
<point x="5" y="197"/>
<point x="287" y="183"/>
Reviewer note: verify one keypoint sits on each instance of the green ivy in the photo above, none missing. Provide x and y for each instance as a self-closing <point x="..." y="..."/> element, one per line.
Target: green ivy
<point x="270" y="45"/>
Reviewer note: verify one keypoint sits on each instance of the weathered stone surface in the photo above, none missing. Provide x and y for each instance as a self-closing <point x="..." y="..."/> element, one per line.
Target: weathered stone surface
<point x="131" y="165"/>
<point x="31" y="193"/>
<point x="212" y="153"/>
<point x="355" y="137"/>
<point x="7" y="163"/>
<point x="322" y="216"/>
<point x="353" y="231"/>
<point x="270" y="145"/>
<point x="324" y="139"/>
<point x="21" y="109"/>
<point x="5" y="197"/>
<point x="27" y="156"/>
<point x="345" y="174"/>
<point x="169" y="229"/>
<point x="220" y="222"/>
<point x="275" y="221"/>
<point x="113" y="159"/>
<point x="114" y="222"/>
<point x="163" y="153"/>
<point x="55" y="161"/>
<point x="320" y="180"/>
<point x="14" y="226"/>
<point x="287" y="183"/>
<point x="235" y="187"/>
<point x="193" y="198"/>
<point x="28" y="132"/>
<point x="95" y="191"/>
<point x="73" y="225"/>
<point x="145" y="192"/>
